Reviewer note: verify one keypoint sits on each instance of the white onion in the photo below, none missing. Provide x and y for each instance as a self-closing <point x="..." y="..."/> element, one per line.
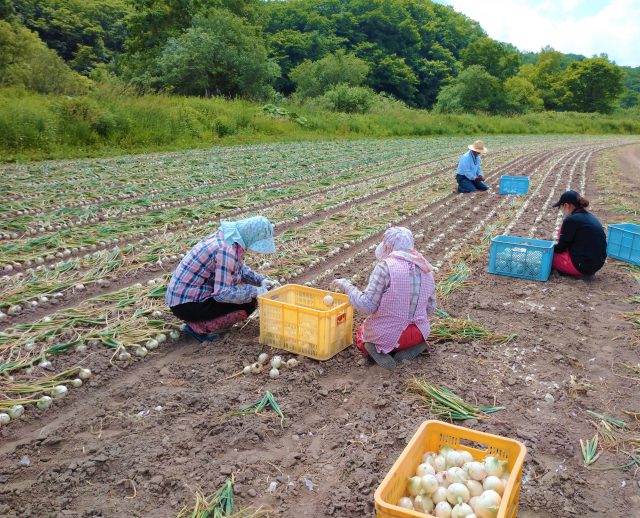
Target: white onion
<point x="456" y="474"/>
<point x="274" y="373"/>
<point x="4" y="418"/>
<point x="328" y="301"/>
<point x="475" y="487"/>
<point x="429" y="483"/>
<point x="44" y="402"/>
<point x="161" y="338"/>
<point x="45" y="364"/>
<point x="442" y="479"/>
<point x="276" y="362"/>
<point x="457" y="493"/>
<point x="174" y="335"/>
<point x="494" y="466"/>
<point x="263" y="358"/>
<point x="494" y="483"/>
<point x="461" y="511"/>
<point x="466" y="456"/>
<point x="124" y="356"/>
<point x="292" y="362"/>
<point x="443" y="510"/>
<point x="439" y="495"/>
<point x="84" y="374"/>
<point x="423" y="504"/>
<point x="15" y="411"/>
<point x="59" y="391"/>
<point x="425" y="469"/>
<point x="487" y="505"/>
<point x="476" y="470"/>
<point x="414" y="487"/>
<point x="151" y="344"/>
<point x="428" y="458"/>
<point x="256" y="367"/>
<point x="405" y="503"/>
<point x="454" y="459"/>
<point x="246" y="369"/>
<point x="440" y="463"/>
<point x="140" y="352"/>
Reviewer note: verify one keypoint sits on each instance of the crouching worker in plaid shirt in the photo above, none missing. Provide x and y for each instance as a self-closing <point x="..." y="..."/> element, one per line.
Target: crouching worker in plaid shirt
<point x="399" y="299"/>
<point x="212" y="288"/>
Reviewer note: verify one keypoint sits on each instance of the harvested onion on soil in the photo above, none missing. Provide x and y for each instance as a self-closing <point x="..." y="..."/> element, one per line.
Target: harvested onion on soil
<point x="276" y="362"/>
<point x="59" y="391"/>
<point x="84" y="374"/>
<point x="44" y="402"/>
<point x="452" y="484"/>
<point x="15" y="411"/>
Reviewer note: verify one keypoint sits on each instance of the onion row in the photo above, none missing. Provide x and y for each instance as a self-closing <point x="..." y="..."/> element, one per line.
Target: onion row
<point x="446" y="405"/>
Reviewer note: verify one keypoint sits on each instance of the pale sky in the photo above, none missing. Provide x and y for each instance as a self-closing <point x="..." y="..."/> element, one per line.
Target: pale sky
<point x="570" y="26"/>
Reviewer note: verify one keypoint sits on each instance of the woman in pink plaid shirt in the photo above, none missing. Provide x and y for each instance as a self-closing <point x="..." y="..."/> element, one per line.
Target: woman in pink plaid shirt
<point x="399" y="299"/>
<point x="212" y="288"/>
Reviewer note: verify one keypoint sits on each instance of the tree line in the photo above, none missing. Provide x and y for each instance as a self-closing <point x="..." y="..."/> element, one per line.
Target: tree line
<point x="342" y="54"/>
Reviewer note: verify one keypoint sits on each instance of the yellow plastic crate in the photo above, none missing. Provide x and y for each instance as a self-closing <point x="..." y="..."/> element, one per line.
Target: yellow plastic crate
<point x="432" y="436"/>
<point x="295" y="318"/>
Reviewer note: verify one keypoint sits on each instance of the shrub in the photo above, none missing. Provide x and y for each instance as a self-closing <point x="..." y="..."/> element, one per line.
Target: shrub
<point x="348" y="99"/>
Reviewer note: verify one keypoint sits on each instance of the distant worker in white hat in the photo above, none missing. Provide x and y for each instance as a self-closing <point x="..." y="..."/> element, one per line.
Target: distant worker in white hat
<point x="469" y="174"/>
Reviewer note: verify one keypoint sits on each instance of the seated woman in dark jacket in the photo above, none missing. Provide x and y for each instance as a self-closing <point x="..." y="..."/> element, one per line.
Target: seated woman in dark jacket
<point x="582" y="243"/>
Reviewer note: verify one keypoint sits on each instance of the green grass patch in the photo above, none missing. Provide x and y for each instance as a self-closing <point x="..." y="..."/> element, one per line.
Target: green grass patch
<point x="108" y="121"/>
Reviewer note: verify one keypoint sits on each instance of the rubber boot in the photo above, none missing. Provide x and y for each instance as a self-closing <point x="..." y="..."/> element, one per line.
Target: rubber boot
<point x="202" y="337"/>
<point x="385" y="361"/>
<point x="410" y="353"/>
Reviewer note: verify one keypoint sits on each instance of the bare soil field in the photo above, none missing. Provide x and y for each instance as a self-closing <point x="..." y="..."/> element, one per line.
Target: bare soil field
<point x="140" y="437"/>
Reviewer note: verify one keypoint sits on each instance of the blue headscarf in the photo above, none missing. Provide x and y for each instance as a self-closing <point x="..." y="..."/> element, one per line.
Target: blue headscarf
<point x="255" y="234"/>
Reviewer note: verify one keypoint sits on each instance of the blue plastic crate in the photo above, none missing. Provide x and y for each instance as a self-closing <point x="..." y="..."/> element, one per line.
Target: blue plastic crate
<point x="624" y="242"/>
<point x="521" y="257"/>
<point x="514" y="184"/>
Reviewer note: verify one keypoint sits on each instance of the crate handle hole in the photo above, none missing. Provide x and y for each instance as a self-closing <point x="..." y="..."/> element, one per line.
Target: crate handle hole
<point x="474" y="445"/>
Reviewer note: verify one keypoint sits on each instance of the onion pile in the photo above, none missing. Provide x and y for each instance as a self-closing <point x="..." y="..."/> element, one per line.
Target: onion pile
<point x="276" y="364"/>
<point x="452" y="484"/>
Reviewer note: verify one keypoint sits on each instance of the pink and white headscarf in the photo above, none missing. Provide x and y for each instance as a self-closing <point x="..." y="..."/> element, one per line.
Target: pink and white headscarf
<point x="398" y="242"/>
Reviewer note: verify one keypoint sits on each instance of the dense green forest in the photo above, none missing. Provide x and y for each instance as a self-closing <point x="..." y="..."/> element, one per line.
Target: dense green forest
<point x="73" y="72"/>
<point x="337" y="52"/>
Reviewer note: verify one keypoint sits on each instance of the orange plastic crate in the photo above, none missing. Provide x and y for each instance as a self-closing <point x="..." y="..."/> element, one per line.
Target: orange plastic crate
<point x="295" y="318"/>
<point x="432" y="436"/>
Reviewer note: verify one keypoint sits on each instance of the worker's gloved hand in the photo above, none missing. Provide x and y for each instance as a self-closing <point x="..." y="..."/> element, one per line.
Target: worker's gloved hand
<point x="269" y="284"/>
<point x="340" y="283"/>
<point x="262" y="291"/>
